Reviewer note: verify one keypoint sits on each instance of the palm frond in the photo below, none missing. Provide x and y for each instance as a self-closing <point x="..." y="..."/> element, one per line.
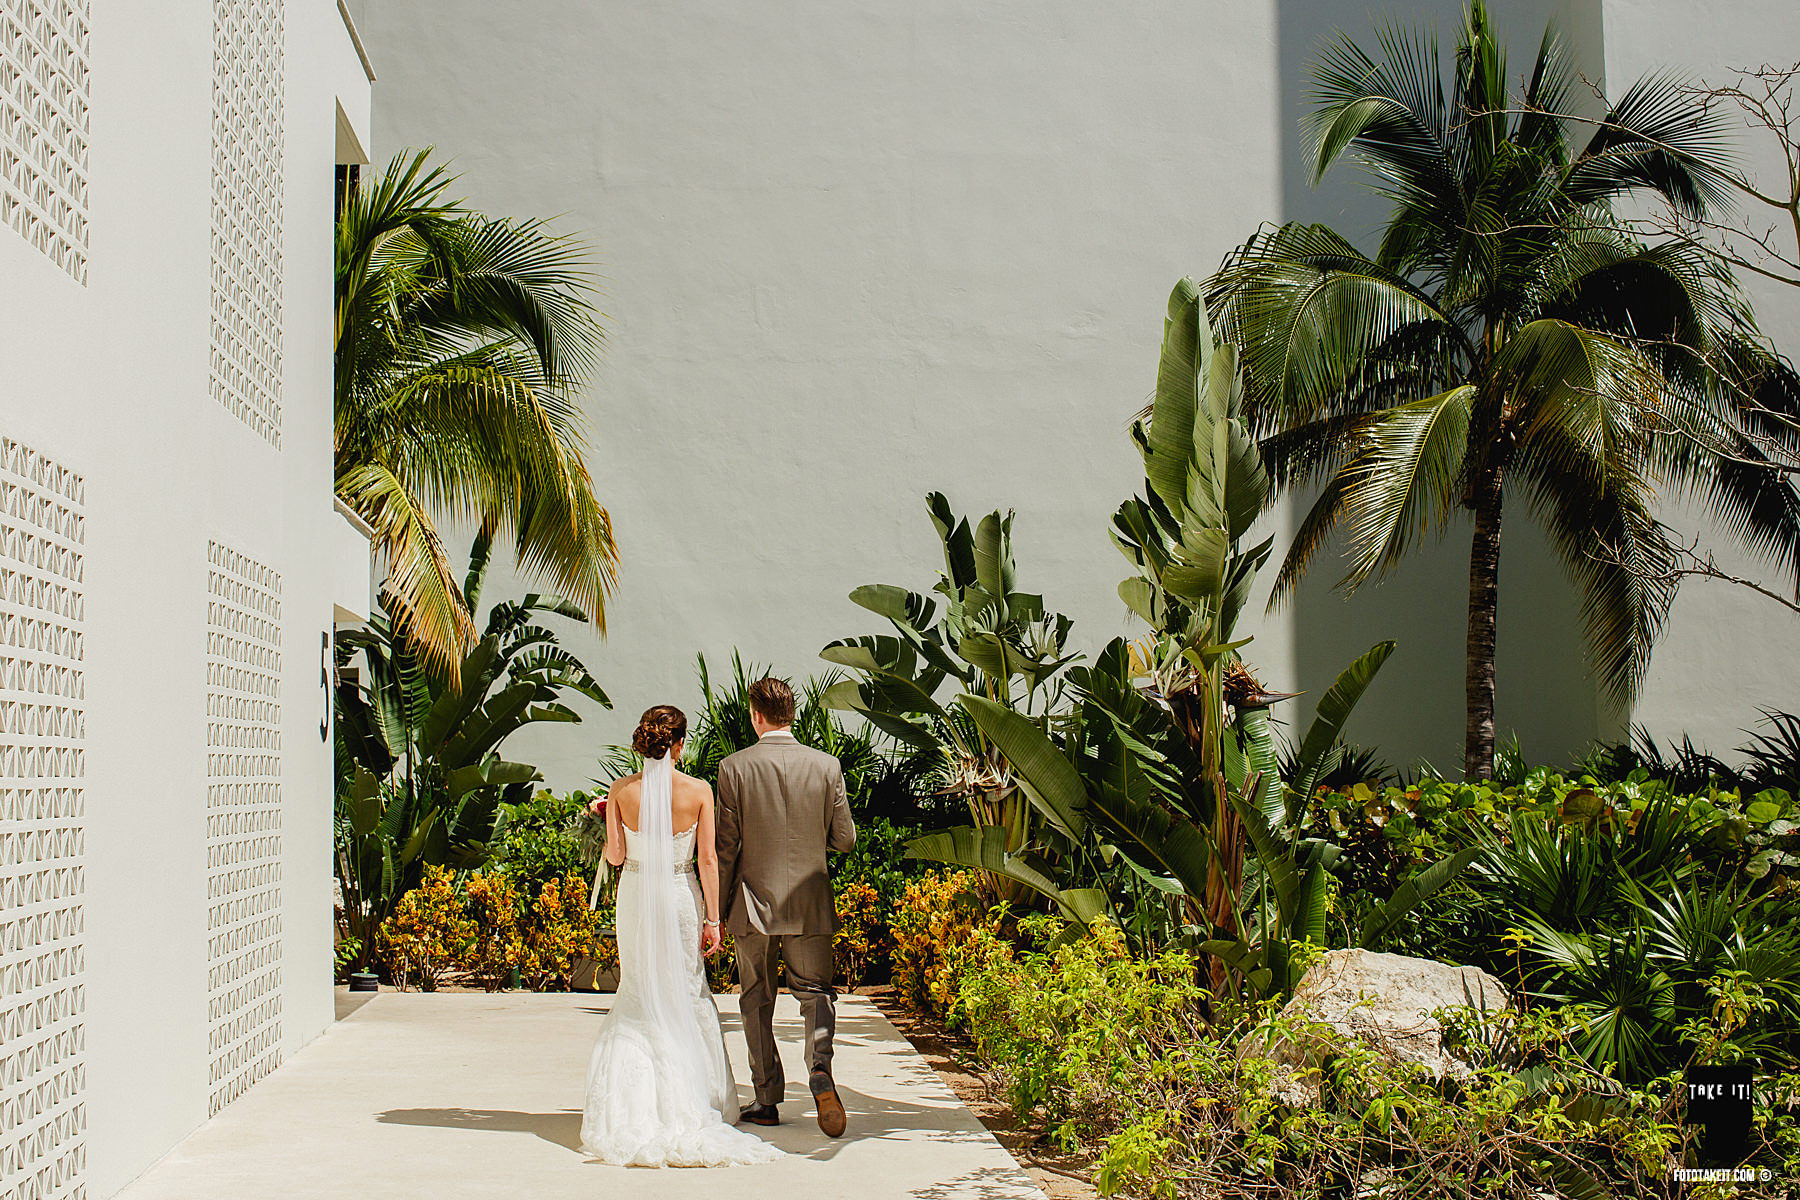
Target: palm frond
<point x="1655" y="138"/>
<point x="1404" y="483"/>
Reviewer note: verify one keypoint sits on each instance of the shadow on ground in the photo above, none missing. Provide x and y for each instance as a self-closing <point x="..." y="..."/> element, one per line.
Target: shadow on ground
<point x="558" y="1128"/>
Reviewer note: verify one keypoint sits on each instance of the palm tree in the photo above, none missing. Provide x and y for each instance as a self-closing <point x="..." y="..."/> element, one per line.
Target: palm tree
<point x="1507" y="336"/>
<point x="461" y="341"/>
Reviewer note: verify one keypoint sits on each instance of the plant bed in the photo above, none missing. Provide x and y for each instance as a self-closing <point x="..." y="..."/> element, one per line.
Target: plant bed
<point x="1059" y="1175"/>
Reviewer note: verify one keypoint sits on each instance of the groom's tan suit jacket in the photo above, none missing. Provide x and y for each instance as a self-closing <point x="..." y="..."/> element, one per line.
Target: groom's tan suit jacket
<point x="781" y="807"/>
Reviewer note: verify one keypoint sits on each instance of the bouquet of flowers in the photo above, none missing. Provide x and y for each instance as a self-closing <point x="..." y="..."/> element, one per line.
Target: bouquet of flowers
<point x="590" y="836"/>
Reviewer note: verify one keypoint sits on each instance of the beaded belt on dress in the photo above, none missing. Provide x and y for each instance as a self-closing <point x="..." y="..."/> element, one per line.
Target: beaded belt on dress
<point x="632" y="864"/>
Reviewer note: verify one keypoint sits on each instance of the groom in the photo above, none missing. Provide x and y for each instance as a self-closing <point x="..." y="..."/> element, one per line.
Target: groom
<point x="781" y="806"/>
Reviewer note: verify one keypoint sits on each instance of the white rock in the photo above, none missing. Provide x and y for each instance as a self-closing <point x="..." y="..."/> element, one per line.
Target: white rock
<point x="1383" y="1000"/>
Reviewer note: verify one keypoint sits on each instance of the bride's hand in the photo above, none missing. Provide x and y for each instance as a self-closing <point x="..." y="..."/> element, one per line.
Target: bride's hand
<point x="712" y="940"/>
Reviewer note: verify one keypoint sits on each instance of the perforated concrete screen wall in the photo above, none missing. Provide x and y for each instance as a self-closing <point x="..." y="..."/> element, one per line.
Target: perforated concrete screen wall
<point x="243" y="822"/>
<point x="43" y="1070"/>
<point x="44" y="127"/>
<point x="246" y="212"/>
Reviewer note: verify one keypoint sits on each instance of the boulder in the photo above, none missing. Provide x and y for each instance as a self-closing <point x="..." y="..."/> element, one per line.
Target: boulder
<point x="1384" y="1000"/>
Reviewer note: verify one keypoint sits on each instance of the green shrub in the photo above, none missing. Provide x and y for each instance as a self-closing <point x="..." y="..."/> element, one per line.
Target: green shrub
<point x="537" y="840"/>
<point x="1074" y="1026"/>
<point x="1113" y="1056"/>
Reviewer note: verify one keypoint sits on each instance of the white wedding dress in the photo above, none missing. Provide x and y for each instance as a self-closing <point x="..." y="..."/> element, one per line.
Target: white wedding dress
<point x="659" y="1087"/>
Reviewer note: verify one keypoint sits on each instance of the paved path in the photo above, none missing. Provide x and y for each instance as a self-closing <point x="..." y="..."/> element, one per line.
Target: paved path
<point x="469" y="1095"/>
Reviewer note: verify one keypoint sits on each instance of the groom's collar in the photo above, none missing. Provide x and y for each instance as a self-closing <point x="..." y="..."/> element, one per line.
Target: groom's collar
<point x="777" y="733"/>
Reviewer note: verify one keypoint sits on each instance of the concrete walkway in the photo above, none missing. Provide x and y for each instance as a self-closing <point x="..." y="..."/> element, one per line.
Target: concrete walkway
<point x="469" y="1095"/>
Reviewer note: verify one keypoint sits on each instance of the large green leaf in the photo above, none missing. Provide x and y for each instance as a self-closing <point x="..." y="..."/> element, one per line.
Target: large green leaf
<point x="1410" y="894"/>
<point x="1049" y="779"/>
<point x="453" y="707"/>
<point x="488" y="726"/>
<point x="364" y="802"/>
<point x="1257" y="738"/>
<point x="993" y="556"/>
<point x="899" y="683"/>
<point x="959" y="543"/>
<point x="896" y="604"/>
<point x="984" y="849"/>
<point x="1187" y="344"/>
<point x="1328" y="721"/>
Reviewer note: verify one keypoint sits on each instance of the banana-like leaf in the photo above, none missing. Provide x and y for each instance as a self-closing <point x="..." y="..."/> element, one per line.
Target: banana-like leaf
<point x="1257" y="738"/>
<point x="415" y="844"/>
<point x="490" y="773"/>
<point x="1198" y="574"/>
<point x="993" y="556"/>
<point x="850" y="695"/>
<point x="959" y="543"/>
<point x="487" y="726"/>
<point x="560" y="713"/>
<point x="1167" y="884"/>
<point x="984" y="849"/>
<point x="1187" y="345"/>
<point x="362" y="732"/>
<point x="1048" y="778"/>
<point x="896" y="604"/>
<point x="1153" y="836"/>
<point x="845" y="695"/>
<point x="364" y="802"/>
<point x="1140" y="596"/>
<point x="1328" y="722"/>
<point x="1246" y="480"/>
<point x="896" y="684"/>
<point x="1409" y="895"/>
<point x="1240" y="578"/>
<point x="454" y="707"/>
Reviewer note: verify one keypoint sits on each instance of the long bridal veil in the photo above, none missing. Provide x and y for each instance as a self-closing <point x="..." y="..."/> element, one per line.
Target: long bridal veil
<point x="654" y="1083"/>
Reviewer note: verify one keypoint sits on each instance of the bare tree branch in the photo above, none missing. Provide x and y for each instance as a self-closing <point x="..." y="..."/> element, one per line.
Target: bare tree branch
<point x="1687" y="561"/>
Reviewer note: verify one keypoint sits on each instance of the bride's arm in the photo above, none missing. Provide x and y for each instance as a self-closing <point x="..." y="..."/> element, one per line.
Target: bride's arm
<point x="615" y="833"/>
<point x="711" y="935"/>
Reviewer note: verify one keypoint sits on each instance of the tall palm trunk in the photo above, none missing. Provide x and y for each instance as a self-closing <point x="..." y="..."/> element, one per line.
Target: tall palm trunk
<point x="1484" y="604"/>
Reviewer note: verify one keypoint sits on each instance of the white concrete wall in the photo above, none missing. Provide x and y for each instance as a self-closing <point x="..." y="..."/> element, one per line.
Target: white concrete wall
<point x="852" y="253"/>
<point x="1730" y="652"/>
<point x="110" y="379"/>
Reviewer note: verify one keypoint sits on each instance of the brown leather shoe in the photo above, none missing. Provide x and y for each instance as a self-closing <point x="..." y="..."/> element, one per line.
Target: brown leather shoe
<point x="760" y="1114"/>
<point x="832" y="1120"/>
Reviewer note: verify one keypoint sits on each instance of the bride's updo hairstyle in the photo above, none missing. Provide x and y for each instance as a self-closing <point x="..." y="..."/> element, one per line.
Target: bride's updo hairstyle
<point x="658" y="729"/>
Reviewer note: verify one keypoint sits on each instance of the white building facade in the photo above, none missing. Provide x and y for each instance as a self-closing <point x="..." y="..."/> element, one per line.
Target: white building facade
<point x="855" y="252"/>
<point x="171" y="564"/>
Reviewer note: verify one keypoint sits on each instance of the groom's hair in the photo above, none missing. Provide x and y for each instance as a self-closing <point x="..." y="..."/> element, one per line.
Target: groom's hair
<point x="773" y="699"/>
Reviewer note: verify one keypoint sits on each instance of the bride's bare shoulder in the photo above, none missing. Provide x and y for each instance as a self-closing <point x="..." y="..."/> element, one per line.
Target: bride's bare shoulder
<point x="692" y="784"/>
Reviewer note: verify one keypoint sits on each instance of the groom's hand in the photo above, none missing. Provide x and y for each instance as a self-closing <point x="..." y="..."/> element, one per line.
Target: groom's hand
<point x="712" y="941"/>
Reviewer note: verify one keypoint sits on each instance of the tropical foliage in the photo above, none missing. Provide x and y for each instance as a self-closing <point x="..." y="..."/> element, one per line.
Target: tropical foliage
<point x="881" y="779"/>
<point x="421" y="779"/>
<point x="991" y="641"/>
<point x="1156" y="795"/>
<point x="1118" y="1057"/>
<point x="1508" y="337"/>
<point x="462" y="342"/>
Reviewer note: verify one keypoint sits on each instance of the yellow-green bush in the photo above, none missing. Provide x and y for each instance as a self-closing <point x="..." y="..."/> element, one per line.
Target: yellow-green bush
<point x="1114" y="1056"/>
<point x="498" y="948"/>
<point x="558" y="928"/>
<point x="428" y="933"/>
<point x="938" y="915"/>
<point x="863" y="939"/>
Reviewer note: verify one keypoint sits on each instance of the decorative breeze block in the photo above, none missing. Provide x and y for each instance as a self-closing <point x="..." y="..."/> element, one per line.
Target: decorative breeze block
<point x="43" y="715"/>
<point x="243" y="822"/>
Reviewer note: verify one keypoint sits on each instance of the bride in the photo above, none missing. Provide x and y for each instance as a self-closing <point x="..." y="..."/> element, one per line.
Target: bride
<point x="659" y="1087"/>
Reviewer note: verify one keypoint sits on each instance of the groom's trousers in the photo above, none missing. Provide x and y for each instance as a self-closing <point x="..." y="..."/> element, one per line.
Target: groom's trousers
<point x="808" y="959"/>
